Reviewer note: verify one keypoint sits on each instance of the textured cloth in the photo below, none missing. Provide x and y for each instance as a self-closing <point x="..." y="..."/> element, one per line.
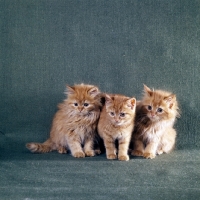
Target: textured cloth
<point x="118" y="45"/>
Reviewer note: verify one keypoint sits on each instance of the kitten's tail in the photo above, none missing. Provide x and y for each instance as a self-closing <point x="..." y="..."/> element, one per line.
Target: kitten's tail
<point x="45" y="147"/>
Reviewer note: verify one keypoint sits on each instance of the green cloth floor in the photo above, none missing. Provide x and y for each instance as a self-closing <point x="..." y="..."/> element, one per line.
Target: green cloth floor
<point x="118" y="45"/>
<point x="55" y="176"/>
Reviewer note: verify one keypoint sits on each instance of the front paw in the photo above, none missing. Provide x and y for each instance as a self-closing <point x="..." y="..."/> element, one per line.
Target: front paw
<point x="89" y="153"/>
<point x="159" y="152"/>
<point x="62" y="150"/>
<point x="111" y="156"/>
<point x="136" y="153"/>
<point x="97" y="151"/>
<point x="149" y="155"/>
<point x="123" y="157"/>
<point x="79" y="155"/>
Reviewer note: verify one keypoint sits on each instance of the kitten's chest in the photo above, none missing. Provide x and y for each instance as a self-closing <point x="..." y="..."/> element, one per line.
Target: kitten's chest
<point x="83" y="130"/>
<point x="83" y="123"/>
<point x="121" y="132"/>
<point x="155" y="131"/>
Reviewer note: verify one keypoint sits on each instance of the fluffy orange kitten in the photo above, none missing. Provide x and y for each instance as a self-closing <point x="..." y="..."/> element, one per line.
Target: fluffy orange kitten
<point x="74" y="125"/>
<point x="116" y="123"/>
<point x="155" y="117"/>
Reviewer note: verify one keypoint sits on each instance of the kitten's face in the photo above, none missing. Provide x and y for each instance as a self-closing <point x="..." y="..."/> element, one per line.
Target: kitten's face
<point x="155" y="111"/>
<point x="82" y="99"/>
<point x="82" y="107"/>
<point x="158" y="105"/>
<point x="120" y="110"/>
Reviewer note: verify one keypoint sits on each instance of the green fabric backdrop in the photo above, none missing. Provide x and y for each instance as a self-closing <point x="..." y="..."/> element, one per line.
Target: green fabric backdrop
<point x="117" y="45"/>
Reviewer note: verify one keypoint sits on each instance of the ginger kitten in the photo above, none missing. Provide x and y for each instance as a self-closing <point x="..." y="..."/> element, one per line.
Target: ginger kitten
<point x="116" y="123"/>
<point x="74" y="124"/>
<point x="155" y="117"/>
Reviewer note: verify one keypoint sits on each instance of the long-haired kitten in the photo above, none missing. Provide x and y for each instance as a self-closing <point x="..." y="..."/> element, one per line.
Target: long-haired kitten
<point x="116" y="123"/>
<point x="155" y="117"/>
<point x="74" y="125"/>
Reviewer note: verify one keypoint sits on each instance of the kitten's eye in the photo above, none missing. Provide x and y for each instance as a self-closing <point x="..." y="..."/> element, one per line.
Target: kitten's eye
<point x="122" y="114"/>
<point x="86" y="104"/>
<point x="149" y="107"/>
<point x="112" y="113"/>
<point x="75" y="104"/>
<point x="159" y="110"/>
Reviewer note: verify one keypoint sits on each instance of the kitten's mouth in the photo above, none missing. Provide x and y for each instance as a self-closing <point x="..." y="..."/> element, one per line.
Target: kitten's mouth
<point x="153" y="118"/>
<point x="117" y="123"/>
<point x="82" y="113"/>
<point x="85" y="113"/>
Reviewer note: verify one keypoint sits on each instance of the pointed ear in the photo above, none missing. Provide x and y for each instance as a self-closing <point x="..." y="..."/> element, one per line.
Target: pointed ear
<point x="70" y="90"/>
<point x="93" y="91"/>
<point x="148" y="91"/>
<point x="109" y="100"/>
<point x="170" y="100"/>
<point x="131" y="103"/>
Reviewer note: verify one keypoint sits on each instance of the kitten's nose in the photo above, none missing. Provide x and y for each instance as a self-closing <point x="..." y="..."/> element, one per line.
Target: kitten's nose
<point x="153" y="114"/>
<point x="80" y="109"/>
<point x="116" y="120"/>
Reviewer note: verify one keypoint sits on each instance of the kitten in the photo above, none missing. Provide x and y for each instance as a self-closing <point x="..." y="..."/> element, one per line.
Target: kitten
<point x="74" y="125"/>
<point x="116" y="123"/>
<point x="155" y="117"/>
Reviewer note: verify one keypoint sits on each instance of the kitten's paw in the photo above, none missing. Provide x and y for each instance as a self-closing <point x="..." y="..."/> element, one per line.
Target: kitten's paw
<point x="89" y="153"/>
<point x="111" y="156"/>
<point x="159" y="152"/>
<point x="136" y="153"/>
<point x="97" y="151"/>
<point x="149" y="155"/>
<point x="62" y="150"/>
<point x="79" y="155"/>
<point x="123" y="157"/>
<point x="32" y="147"/>
<point x="129" y="151"/>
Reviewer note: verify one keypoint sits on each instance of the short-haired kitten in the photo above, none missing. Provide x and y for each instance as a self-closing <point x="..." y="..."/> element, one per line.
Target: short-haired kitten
<point x="155" y="117"/>
<point x="116" y="123"/>
<point x="74" y="125"/>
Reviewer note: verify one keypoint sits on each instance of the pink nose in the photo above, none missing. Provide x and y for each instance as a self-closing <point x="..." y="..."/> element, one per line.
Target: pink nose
<point x="116" y="120"/>
<point x="80" y="109"/>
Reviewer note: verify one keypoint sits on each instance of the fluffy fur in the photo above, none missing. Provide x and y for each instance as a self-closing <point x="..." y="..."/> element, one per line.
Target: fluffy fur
<point x="74" y="124"/>
<point x="155" y="117"/>
<point x="116" y="124"/>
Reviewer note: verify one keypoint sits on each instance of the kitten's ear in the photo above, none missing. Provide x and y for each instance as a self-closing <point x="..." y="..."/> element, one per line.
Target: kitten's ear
<point x="70" y="90"/>
<point x="131" y="103"/>
<point x="170" y="100"/>
<point x="93" y="91"/>
<point x="109" y="100"/>
<point x="148" y="91"/>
